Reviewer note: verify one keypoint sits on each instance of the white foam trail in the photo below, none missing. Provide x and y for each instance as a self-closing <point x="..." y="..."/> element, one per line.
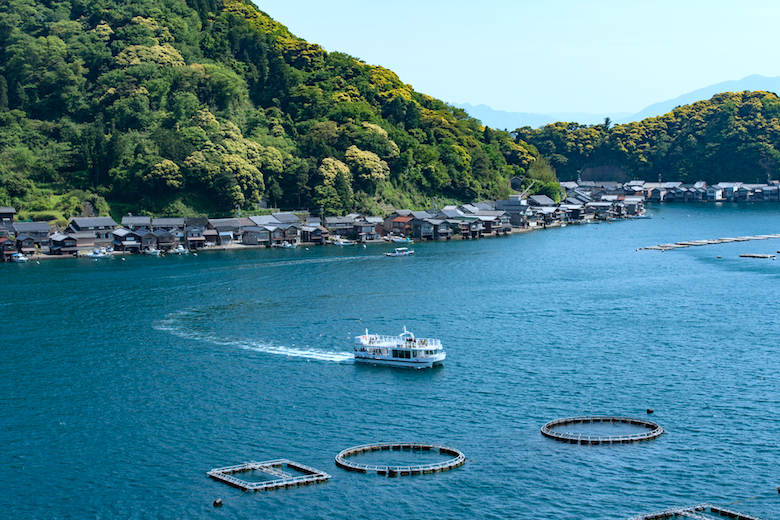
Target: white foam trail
<point x="170" y="325"/>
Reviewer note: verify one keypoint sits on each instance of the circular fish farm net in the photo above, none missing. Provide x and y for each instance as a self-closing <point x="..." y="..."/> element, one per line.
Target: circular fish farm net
<point x="599" y="430"/>
<point x="458" y="458"/>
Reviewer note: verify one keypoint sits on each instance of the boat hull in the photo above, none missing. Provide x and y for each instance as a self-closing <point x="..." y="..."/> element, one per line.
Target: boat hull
<point x="401" y="363"/>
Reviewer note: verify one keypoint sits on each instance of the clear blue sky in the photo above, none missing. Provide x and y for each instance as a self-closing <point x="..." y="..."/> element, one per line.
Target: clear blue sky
<point x="605" y="56"/>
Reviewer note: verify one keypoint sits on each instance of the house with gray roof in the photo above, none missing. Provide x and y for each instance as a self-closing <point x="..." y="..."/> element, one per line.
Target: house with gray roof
<point x="287" y="218"/>
<point x="39" y="231"/>
<point x="342" y="226"/>
<point x="62" y="244"/>
<point x="169" y="223"/>
<point x="137" y="222"/>
<point x="262" y="220"/>
<point x="7" y="213"/>
<point x="99" y="227"/>
<point x="540" y="200"/>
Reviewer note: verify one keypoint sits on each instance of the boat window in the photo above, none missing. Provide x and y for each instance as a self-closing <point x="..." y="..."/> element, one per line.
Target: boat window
<point x="395" y="353"/>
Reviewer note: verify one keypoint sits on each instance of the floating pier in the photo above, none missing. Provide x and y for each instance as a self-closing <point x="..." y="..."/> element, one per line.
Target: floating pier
<point x="274" y="468"/>
<point x="392" y="471"/>
<point x="548" y="430"/>
<point x="698" y="512"/>
<point x="690" y="243"/>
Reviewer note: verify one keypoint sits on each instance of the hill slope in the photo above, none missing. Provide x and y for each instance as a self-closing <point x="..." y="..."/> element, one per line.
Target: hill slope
<point x="731" y="137"/>
<point x="177" y="108"/>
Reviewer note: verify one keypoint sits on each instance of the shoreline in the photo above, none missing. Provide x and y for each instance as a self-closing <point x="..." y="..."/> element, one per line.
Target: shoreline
<point x="240" y="247"/>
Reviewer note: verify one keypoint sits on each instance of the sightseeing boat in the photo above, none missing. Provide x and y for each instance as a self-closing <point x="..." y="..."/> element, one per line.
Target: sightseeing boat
<point x="404" y="350"/>
<point x="401" y="251"/>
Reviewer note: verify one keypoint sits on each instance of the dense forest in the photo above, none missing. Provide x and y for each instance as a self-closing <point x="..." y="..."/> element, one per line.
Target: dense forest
<point x="175" y="108"/>
<point x="731" y="137"/>
<point x="201" y="107"/>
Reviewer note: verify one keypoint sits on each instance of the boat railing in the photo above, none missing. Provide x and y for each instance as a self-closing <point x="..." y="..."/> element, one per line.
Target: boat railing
<point x="395" y="341"/>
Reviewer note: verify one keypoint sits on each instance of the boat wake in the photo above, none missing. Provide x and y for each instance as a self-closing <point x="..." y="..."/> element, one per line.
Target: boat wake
<point x="172" y="325"/>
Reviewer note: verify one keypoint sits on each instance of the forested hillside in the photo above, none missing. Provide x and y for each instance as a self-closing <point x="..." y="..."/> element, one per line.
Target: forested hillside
<point x="181" y="108"/>
<point x="731" y="137"/>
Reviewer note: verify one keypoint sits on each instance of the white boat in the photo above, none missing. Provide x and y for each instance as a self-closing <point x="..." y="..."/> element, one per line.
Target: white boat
<point x="19" y="258"/>
<point x="99" y="253"/>
<point x="180" y="250"/>
<point x="287" y="245"/>
<point x="403" y="350"/>
<point x="402" y="240"/>
<point x="152" y="251"/>
<point x="344" y="242"/>
<point x="401" y="251"/>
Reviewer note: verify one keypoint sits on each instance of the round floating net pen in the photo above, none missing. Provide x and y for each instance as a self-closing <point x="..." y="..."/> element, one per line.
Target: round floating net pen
<point x="601" y="430"/>
<point x="405" y="469"/>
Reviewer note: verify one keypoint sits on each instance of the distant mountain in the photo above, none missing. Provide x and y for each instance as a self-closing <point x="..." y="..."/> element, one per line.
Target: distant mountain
<point x="752" y="83"/>
<point x="500" y="119"/>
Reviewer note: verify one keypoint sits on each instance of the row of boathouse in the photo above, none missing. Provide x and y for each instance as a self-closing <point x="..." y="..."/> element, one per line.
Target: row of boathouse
<point x="583" y="201"/>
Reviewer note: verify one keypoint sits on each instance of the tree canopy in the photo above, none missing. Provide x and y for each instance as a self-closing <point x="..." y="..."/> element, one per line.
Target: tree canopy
<point x="171" y="107"/>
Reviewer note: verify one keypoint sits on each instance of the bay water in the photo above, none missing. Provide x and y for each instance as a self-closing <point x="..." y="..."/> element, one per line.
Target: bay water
<point x="125" y="380"/>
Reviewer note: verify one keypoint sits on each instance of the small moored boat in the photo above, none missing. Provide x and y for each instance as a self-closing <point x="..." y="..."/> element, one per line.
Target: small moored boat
<point x="152" y="251"/>
<point x="403" y="350"/>
<point x="402" y="240"/>
<point x="401" y="251"/>
<point x="288" y="245"/>
<point x="344" y="242"/>
<point x="99" y="253"/>
<point x="19" y="258"/>
<point x="180" y="250"/>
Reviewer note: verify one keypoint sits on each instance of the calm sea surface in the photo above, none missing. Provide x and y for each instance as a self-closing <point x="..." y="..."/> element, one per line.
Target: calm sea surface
<point x="124" y="382"/>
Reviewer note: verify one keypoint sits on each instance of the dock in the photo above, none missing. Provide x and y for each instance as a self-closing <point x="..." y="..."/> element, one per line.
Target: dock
<point x="698" y="512"/>
<point x="273" y="468"/>
<point x="695" y="243"/>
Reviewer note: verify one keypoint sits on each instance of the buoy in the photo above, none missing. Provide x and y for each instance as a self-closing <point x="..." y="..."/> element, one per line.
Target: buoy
<point x="649" y="410"/>
<point x="218" y="502"/>
<point x="718" y="256"/>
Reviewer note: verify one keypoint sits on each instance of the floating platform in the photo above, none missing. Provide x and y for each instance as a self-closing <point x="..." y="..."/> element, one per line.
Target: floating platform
<point x="392" y="471"/>
<point x="699" y="512"/>
<point x="273" y="468"/>
<point x="548" y="430"/>
<point x="753" y="255"/>
<point x="689" y="243"/>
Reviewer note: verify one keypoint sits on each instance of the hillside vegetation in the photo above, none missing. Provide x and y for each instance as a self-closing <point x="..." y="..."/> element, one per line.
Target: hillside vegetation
<point x="731" y="137"/>
<point x="180" y="108"/>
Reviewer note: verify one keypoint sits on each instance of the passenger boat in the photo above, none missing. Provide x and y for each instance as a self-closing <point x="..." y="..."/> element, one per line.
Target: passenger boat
<point x="403" y="350"/>
<point x="19" y="258"/>
<point x="401" y="251"/>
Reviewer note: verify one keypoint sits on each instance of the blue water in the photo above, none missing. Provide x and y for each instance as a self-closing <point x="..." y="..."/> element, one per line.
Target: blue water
<point x="124" y="382"/>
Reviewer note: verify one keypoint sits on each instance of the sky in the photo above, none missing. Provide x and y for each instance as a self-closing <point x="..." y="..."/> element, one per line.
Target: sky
<point x="547" y="56"/>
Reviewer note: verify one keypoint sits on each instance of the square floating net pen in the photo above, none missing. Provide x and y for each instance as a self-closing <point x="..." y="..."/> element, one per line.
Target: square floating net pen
<point x="271" y="474"/>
